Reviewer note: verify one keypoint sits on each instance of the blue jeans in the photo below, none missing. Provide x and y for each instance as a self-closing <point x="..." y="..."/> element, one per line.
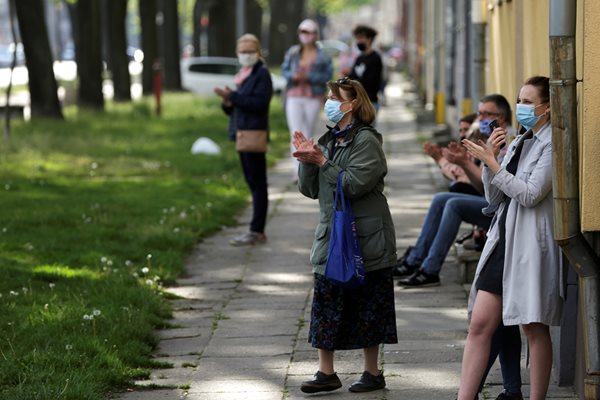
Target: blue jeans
<point x="506" y="343"/>
<point x="441" y="225"/>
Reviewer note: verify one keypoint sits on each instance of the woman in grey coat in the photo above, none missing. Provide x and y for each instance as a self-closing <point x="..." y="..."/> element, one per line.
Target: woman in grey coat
<point x="519" y="276"/>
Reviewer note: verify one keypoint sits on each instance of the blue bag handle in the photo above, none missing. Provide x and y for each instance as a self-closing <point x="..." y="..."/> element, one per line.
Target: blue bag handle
<point x="339" y="192"/>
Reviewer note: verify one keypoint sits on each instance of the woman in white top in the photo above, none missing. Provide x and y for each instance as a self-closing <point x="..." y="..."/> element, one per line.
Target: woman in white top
<point x="519" y="277"/>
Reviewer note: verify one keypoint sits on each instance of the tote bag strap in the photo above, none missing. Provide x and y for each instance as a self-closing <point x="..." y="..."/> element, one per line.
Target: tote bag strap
<point x="339" y="194"/>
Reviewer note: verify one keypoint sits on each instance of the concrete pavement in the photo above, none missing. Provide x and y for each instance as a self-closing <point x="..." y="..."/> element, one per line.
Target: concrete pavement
<point x="242" y="320"/>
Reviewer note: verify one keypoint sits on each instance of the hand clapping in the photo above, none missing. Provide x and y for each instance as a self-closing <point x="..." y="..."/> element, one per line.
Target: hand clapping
<point x="307" y="151"/>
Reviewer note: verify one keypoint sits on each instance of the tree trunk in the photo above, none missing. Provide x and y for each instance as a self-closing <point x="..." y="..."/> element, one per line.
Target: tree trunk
<point x="89" y="58"/>
<point x="197" y="28"/>
<point x="285" y="18"/>
<point x="42" y="83"/>
<point x="149" y="42"/>
<point x="254" y="15"/>
<point x="221" y="29"/>
<point x="116" y="43"/>
<point x="172" y="49"/>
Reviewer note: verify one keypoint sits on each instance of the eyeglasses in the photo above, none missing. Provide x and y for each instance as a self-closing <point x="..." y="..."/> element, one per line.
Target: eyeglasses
<point x="308" y="32"/>
<point x="486" y="114"/>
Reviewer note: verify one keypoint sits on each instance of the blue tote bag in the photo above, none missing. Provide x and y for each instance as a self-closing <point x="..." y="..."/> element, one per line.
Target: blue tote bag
<point x="345" y="266"/>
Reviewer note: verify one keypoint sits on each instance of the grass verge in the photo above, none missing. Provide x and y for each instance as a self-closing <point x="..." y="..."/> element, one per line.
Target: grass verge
<point x="98" y="212"/>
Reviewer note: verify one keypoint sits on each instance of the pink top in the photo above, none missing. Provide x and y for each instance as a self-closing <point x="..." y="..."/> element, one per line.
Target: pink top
<point x="302" y="89"/>
<point x="242" y="75"/>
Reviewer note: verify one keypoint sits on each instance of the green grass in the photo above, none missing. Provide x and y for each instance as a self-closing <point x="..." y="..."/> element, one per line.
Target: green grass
<point x="97" y="213"/>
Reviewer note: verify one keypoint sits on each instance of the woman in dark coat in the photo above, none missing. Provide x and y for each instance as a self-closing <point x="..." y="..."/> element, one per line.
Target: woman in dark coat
<point x="248" y="109"/>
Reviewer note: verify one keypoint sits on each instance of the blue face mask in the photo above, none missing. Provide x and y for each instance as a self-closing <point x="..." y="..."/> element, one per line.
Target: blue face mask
<point x="332" y="110"/>
<point x="526" y="115"/>
<point x="484" y="127"/>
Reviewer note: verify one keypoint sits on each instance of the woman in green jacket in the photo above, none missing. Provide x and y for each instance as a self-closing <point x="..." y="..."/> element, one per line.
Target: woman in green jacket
<point x="343" y="319"/>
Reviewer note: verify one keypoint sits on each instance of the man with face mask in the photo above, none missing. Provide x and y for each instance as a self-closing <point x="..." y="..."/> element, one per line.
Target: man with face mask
<point x="368" y="67"/>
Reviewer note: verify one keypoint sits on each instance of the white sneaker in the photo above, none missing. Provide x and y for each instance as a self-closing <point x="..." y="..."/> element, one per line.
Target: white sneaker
<point x="249" y="238"/>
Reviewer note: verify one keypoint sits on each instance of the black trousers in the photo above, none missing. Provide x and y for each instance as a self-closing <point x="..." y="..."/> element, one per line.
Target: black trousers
<point x="254" y="166"/>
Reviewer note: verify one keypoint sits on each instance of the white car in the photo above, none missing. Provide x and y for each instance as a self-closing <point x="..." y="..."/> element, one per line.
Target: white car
<point x="202" y="74"/>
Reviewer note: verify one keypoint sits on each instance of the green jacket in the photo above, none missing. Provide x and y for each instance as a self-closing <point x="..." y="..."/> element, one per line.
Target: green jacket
<point x="362" y="159"/>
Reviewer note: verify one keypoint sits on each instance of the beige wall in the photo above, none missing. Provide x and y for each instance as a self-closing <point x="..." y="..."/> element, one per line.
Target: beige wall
<point x="590" y="117"/>
<point x="519" y="47"/>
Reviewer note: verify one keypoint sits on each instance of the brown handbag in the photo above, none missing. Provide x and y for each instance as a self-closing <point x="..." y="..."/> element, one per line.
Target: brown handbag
<point x="251" y="141"/>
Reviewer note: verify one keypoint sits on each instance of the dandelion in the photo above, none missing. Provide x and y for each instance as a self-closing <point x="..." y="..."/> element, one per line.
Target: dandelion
<point x="13" y="293"/>
<point x="208" y="204"/>
<point x="176" y="230"/>
<point x="109" y="263"/>
<point x="46" y="306"/>
<point x="96" y="312"/>
<point x="162" y="221"/>
<point x="4" y="230"/>
<point x="172" y="209"/>
<point x="128" y="263"/>
<point x="165" y="211"/>
<point x="51" y="285"/>
<point x="145" y="270"/>
<point x="183" y="215"/>
<point x="69" y="347"/>
<point x="192" y="207"/>
<point x="149" y="256"/>
<point x="135" y="275"/>
<point x="7" y="187"/>
<point x="0" y="295"/>
<point x="149" y="282"/>
<point x="115" y="270"/>
<point x="94" y="165"/>
<point x="156" y="278"/>
<point x="24" y="289"/>
<point x="88" y="317"/>
<point x="28" y="246"/>
<point x="103" y="260"/>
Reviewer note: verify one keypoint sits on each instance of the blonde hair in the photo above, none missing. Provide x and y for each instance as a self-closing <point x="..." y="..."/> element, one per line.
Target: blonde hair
<point x="363" y="110"/>
<point x="248" y="37"/>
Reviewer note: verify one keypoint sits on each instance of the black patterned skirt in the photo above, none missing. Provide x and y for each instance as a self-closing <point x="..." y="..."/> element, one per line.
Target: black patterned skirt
<point x="344" y="319"/>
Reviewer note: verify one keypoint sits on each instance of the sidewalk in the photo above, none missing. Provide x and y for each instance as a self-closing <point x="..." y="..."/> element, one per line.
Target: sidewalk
<point x="242" y="320"/>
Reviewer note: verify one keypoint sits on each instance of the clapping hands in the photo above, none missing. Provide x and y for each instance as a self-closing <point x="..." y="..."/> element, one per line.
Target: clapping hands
<point x="307" y="151"/>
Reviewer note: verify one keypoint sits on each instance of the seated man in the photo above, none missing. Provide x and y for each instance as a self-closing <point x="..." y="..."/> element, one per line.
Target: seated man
<point x="421" y="264"/>
<point x="459" y="181"/>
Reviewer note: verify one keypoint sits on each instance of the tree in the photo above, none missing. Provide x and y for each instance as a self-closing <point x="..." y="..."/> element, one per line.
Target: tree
<point x="221" y="28"/>
<point x="88" y="49"/>
<point x="42" y="83"/>
<point x="171" y="48"/>
<point x="148" y="9"/>
<point x="285" y="18"/>
<point x="116" y="45"/>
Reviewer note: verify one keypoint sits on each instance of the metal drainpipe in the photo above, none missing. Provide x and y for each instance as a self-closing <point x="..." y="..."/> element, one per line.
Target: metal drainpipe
<point x="567" y="229"/>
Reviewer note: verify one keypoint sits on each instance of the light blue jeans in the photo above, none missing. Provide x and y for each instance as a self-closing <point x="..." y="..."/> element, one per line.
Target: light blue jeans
<point x="441" y="225"/>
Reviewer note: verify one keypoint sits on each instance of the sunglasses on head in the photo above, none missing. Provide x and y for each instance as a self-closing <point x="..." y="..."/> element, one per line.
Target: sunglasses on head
<point x="344" y="81"/>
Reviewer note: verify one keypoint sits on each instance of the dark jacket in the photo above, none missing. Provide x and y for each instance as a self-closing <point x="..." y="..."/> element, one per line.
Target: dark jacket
<point x="362" y="159"/>
<point x="250" y="102"/>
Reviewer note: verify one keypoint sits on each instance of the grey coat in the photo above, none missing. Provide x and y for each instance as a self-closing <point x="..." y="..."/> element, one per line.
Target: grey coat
<point x="362" y="159"/>
<point x="533" y="281"/>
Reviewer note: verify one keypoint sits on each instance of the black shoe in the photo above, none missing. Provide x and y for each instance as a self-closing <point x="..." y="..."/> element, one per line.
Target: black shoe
<point x="321" y="382"/>
<point x="402" y="267"/>
<point x="505" y="396"/>
<point x="420" y="279"/>
<point x="368" y="383"/>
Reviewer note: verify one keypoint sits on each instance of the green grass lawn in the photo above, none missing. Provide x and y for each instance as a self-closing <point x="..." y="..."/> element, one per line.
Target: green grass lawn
<point x="97" y="213"/>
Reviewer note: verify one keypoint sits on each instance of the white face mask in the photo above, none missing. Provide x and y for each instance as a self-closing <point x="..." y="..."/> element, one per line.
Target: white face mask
<point x="248" y="59"/>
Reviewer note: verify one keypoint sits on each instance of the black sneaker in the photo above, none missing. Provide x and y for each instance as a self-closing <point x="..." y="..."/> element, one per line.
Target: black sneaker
<point x="368" y="383"/>
<point x="402" y="267"/>
<point x="321" y="382"/>
<point x="420" y="279"/>
<point x="506" y="396"/>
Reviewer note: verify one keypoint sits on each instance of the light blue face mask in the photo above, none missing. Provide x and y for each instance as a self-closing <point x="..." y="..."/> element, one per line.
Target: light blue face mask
<point x="333" y="111"/>
<point x="526" y="115"/>
<point x="484" y="127"/>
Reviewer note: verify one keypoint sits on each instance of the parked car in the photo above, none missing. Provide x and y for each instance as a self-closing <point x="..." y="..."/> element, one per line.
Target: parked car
<point x="202" y="74"/>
